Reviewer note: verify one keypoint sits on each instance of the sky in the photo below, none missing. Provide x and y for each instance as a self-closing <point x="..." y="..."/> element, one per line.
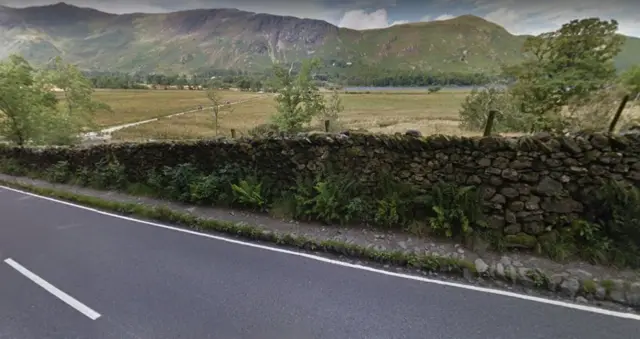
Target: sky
<point x="517" y="16"/>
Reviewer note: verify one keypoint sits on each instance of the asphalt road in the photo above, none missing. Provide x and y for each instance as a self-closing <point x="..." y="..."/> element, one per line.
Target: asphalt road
<point x="125" y="279"/>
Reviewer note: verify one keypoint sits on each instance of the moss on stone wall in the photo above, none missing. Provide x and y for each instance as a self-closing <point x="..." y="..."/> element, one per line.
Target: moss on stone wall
<point x="531" y="188"/>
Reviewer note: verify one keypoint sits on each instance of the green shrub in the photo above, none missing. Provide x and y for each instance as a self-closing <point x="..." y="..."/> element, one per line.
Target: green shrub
<point x="248" y="193"/>
<point x="579" y="239"/>
<point x="395" y="205"/>
<point x="434" y="89"/>
<point x="82" y="177"/>
<point x="296" y="202"/>
<point x="12" y="167"/>
<point x="209" y="189"/>
<point x="58" y="173"/>
<point x="264" y="130"/>
<point x="616" y="209"/>
<point x="475" y="111"/>
<point x="180" y="180"/>
<point x="109" y="173"/>
<point x="328" y="197"/>
<point x="610" y="232"/>
<point x="457" y="210"/>
<point x="333" y="198"/>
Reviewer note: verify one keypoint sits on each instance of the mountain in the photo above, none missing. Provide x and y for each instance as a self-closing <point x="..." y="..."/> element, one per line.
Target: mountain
<point x="230" y="38"/>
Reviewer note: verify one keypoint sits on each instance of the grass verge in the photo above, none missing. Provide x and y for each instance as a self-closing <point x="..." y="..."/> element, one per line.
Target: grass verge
<point x="186" y="220"/>
<point x="535" y="279"/>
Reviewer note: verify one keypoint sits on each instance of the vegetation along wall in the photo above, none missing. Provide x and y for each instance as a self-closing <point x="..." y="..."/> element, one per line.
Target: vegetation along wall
<point x="534" y="192"/>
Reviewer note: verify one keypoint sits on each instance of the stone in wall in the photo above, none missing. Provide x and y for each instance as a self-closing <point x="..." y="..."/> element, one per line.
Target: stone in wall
<point x="527" y="183"/>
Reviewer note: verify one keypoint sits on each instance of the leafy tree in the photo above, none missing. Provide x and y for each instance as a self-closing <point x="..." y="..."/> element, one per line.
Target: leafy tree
<point x="218" y="106"/>
<point x="31" y="112"/>
<point x="475" y="109"/>
<point x="434" y="89"/>
<point x="25" y="102"/>
<point x="332" y="109"/>
<point x="298" y="99"/>
<point x="78" y="107"/>
<point x="244" y="84"/>
<point x="631" y="81"/>
<point x="563" y="65"/>
<point x="256" y="85"/>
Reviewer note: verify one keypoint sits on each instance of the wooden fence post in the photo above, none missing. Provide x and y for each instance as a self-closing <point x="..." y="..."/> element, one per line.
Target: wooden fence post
<point x="488" y="127"/>
<point x="616" y="117"/>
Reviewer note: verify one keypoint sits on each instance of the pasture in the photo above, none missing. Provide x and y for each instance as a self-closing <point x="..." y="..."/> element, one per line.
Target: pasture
<point x="379" y="112"/>
<point x="129" y="106"/>
<point x="383" y="112"/>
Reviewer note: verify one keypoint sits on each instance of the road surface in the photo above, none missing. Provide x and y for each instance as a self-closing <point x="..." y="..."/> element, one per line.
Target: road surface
<point x="68" y="272"/>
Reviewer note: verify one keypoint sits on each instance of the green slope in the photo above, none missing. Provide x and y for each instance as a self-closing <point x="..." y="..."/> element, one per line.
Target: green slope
<point x="229" y="38"/>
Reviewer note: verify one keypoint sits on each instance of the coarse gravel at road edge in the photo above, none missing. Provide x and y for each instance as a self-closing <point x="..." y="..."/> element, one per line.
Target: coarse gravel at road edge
<point x="581" y="288"/>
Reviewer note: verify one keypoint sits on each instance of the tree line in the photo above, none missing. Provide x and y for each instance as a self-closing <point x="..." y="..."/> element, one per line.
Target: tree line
<point x="255" y="81"/>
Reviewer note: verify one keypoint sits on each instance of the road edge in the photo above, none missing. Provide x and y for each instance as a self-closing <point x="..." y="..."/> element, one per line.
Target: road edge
<point x="532" y="279"/>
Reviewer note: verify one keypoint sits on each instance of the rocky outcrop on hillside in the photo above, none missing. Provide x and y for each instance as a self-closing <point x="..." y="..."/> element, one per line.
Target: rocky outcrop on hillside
<point x="230" y="38"/>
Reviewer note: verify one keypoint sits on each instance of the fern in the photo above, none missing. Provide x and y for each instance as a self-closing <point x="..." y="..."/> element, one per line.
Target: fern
<point x="249" y="193"/>
<point x="456" y="209"/>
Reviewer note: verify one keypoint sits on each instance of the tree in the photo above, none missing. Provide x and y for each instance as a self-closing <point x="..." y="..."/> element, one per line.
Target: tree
<point x="31" y="112"/>
<point x="244" y="84"/>
<point x="78" y="107"/>
<point x="218" y="106"/>
<point x="332" y="109"/>
<point x="475" y="109"/>
<point x="434" y="89"/>
<point x="256" y="85"/>
<point x="564" y="65"/>
<point x="593" y="113"/>
<point x="298" y="99"/>
<point x="631" y="81"/>
<point x="24" y="102"/>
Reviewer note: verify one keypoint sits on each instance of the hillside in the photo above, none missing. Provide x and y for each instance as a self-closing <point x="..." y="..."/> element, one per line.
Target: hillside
<point x="230" y="38"/>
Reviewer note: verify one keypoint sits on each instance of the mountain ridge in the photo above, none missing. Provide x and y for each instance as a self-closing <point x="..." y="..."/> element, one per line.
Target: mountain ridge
<point x="190" y="40"/>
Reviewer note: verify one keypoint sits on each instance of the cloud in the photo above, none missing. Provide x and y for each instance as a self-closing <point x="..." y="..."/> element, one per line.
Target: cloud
<point x="440" y="17"/>
<point x="399" y="22"/>
<point x="507" y="18"/>
<point x="328" y="10"/>
<point x="534" y="17"/>
<point x="361" y="19"/>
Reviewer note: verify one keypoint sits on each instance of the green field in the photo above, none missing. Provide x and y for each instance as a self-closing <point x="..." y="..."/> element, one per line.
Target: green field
<point x="379" y="112"/>
<point x="135" y="105"/>
<point x="386" y="112"/>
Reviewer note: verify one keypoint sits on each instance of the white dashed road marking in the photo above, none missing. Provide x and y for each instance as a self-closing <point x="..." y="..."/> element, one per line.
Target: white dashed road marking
<point x="69" y="300"/>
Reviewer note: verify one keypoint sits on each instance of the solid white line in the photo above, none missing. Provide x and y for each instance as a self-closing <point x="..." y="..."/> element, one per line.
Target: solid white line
<point x="346" y="264"/>
<point x="69" y="300"/>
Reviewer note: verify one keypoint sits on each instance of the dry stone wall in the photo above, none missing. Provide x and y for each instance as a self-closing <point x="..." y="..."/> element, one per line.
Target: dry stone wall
<point x="527" y="183"/>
